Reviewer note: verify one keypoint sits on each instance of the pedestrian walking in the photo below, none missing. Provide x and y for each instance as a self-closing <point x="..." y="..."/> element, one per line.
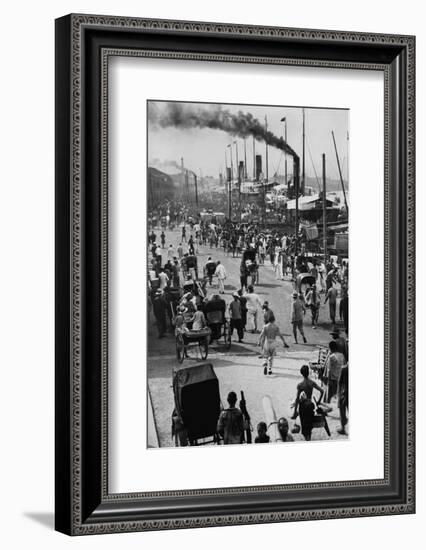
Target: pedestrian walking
<point x="278" y="266"/>
<point x="267" y="313"/>
<point x="253" y="304"/>
<point x="261" y="252"/>
<point x="333" y="368"/>
<point x="231" y="423"/>
<point x="343" y="399"/>
<point x="344" y="311"/>
<point x="180" y="251"/>
<point x="297" y="314"/>
<point x="303" y="405"/>
<point x="221" y="275"/>
<point x="243" y="302"/>
<point x="331" y="298"/>
<point x="342" y="344"/>
<point x="210" y="269"/>
<point x="267" y="342"/>
<point x="163" y="239"/>
<point x="243" y="276"/>
<point x="164" y="279"/>
<point x="313" y="302"/>
<point x="236" y="317"/>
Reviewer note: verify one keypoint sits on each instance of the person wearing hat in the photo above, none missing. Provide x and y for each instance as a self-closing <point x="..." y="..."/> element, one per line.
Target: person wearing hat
<point x="333" y="368"/>
<point x="236" y="317"/>
<point x="297" y="313"/>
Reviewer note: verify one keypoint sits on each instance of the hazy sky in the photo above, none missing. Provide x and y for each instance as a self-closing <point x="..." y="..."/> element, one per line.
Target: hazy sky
<point x="203" y="149"/>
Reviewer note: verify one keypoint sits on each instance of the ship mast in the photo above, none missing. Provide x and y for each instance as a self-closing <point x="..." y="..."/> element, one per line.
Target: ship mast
<point x="303" y="156"/>
<point x="266" y="151"/>
<point x="340" y="173"/>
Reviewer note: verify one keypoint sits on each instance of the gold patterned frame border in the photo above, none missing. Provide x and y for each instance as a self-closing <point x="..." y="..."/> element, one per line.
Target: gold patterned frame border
<point x="82" y="21"/>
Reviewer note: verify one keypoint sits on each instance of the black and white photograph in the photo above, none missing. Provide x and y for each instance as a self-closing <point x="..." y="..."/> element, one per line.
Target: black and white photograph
<point x="248" y="273"/>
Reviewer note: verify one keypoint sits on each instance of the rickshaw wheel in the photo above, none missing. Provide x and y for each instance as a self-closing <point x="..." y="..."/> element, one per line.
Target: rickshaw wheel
<point x="180" y="349"/>
<point x="227" y="335"/>
<point x="204" y="348"/>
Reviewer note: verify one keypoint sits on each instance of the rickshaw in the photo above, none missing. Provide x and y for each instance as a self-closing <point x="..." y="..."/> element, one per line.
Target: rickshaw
<point x="197" y="288"/>
<point x="197" y="406"/>
<point x="218" y="324"/>
<point x="192" y="338"/>
<point x="249" y="259"/>
<point x="304" y="279"/>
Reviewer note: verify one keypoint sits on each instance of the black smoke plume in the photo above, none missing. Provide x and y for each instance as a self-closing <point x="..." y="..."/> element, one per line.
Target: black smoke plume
<point x="187" y="116"/>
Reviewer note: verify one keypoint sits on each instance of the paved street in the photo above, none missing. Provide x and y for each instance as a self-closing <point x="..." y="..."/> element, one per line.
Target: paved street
<point x="240" y="367"/>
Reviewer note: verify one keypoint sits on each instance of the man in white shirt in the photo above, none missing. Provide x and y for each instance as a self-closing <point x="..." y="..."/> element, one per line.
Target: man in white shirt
<point x="253" y="304"/>
<point x="221" y="275"/>
<point x="163" y="279"/>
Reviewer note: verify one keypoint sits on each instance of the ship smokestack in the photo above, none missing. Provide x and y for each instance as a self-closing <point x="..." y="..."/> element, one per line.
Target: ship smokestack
<point x="258" y="167"/>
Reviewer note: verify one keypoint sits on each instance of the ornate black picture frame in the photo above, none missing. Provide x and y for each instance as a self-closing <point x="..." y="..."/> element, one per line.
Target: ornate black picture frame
<point x="83" y="45"/>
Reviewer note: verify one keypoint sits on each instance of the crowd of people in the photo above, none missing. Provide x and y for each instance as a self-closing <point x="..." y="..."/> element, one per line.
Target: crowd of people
<point x="311" y="411"/>
<point x="179" y="300"/>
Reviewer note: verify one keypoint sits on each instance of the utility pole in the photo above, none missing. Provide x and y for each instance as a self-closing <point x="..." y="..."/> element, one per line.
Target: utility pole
<point x="227" y="186"/>
<point x="238" y="180"/>
<point x="303" y="156"/>
<point x="284" y="119"/>
<point x="196" y="189"/>
<point x="324" y="209"/>
<point x="340" y="173"/>
<point x="285" y="154"/>
<point x="245" y="160"/>
<point x="183" y="178"/>
<point x="187" y="185"/>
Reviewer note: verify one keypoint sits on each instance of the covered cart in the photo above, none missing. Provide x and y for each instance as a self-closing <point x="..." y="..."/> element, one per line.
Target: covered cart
<point x="197" y="405"/>
<point x="303" y="280"/>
